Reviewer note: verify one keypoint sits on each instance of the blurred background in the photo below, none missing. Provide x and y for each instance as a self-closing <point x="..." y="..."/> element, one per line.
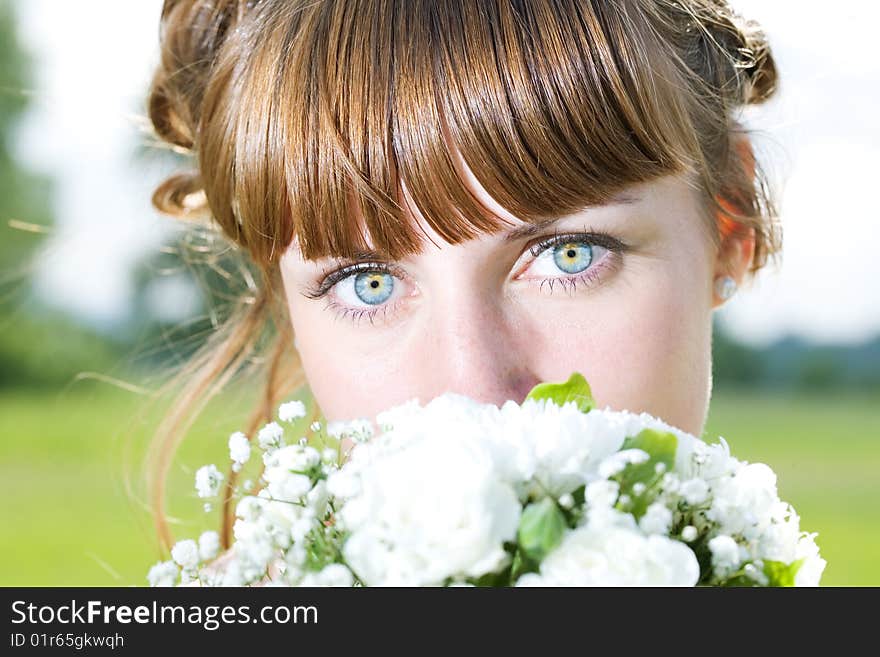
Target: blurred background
<point x="96" y="302"/>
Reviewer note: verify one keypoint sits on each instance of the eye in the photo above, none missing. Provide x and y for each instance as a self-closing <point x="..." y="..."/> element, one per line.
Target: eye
<point x="363" y="290"/>
<point x="569" y="257"/>
<point x="584" y="258"/>
<point x="372" y="288"/>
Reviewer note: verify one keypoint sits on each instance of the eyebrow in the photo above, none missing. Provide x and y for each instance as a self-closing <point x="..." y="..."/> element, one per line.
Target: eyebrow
<point x="529" y="230"/>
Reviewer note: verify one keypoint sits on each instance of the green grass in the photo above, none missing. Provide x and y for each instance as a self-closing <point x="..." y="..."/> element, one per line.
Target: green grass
<point x="69" y="520"/>
<point x="826" y="454"/>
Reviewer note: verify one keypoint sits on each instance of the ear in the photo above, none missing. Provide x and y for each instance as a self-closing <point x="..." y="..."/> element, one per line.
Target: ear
<point x="734" y="257"/>
<point x="737" y="249"/>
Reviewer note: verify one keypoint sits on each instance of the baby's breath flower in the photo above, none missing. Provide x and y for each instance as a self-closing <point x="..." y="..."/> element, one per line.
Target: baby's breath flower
<point x="438" y="497"/>
<point x="694" y="491"/>
<point x="292" y="410"/>
<point x="315" y="426"/>
<point x="656" y="520"/>
<point x="602" y="493"/>
<point x="164" y="573"/>
<point x="689" y="533"/>
<point x="249" y="508"/>
<point x="209" y="545"/>
<point x="239" y="449"/>
<point x="208" y="480"/>
<point x="617" y="462"/>
<point x="270" y="437"/>
<point x="670" y="482"/>
<point x="725" y="553"/>
<point x="359" y="430"/>
<point x="186" y="553"/>
<point x="753" y="573"/>
<point x="334" y="574"/>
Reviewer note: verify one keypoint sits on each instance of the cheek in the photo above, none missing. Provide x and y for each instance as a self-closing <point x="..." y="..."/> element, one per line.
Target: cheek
<point x="345" y="375"/>
<point x="644" y="346"/>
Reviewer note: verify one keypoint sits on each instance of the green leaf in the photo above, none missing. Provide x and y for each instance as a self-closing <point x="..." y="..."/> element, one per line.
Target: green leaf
<point x="576" y="389"/>
<point x="781" y="574"/>
<point x="661" y="447"/>
<point x="541" y="527"/>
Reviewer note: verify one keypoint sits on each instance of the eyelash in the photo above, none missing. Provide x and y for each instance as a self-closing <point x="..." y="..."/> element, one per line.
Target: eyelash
<point x="589" y="277"/>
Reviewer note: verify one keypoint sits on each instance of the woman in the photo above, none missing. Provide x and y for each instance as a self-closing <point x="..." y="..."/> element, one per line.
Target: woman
<point x="468" y="196"/>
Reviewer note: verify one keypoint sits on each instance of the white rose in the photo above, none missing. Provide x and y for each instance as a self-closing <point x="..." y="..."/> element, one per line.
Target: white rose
<point x="417" y="525"/>
<point x="613" y="556"/>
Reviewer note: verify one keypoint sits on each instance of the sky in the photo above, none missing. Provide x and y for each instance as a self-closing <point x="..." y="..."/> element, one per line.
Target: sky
<point x="820" y="137"/>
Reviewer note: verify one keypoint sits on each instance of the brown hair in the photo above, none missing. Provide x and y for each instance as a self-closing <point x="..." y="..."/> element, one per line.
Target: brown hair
<point x="301" y="114"/>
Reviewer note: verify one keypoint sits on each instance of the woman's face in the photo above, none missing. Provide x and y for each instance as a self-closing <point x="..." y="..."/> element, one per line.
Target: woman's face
<point x="489" y="319"/>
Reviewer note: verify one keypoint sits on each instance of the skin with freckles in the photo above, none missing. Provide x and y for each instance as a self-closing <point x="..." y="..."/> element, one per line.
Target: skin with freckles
<point x="489" y="319"/>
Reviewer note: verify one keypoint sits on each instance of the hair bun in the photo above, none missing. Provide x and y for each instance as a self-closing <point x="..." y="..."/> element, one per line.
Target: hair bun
<point x="750" y="53"/>
<point x="730" y="53"/>
<point x="763" y="76"/>
<point x="191" y="34"/>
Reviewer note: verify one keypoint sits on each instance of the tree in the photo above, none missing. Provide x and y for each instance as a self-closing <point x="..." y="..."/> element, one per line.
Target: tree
<point x="38" y="346"/>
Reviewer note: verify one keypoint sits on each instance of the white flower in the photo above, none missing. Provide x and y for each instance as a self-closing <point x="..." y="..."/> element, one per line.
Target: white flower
<point x="570" y="445"/>
<point x="656" y="520"/>
<point x="209" y="545"/>
<point x="695" y="458"/>
<point x="746" y="502"/>
<point x="270" y="437"/>
<point x="417" y="525"/>
<point x="249" y="508"/>
<point x="292" y="410"/>
<point x="617" y="462"/>
<point x="725" y="554"/>
<point x="614" y="556"/>
<point x="253" y="549"/>
<point x="670" y="482"/>
<point x="239" y="450"/>
<point x="811" y="569"/>
<point x="163" y="573"/>
<point x="779" y="540"/>
<point x="694" y="491"/>
<point x="566" y="501"/>
<point x="601" y="493"/>
<point x="334" y="574"/>
<point x="437" y="496"/>
<point x="283" y="484"/>
<point x="531" y="579"/>
<point x="208" y="480"/>
<point x="359" y="430"/>
<point x="186" y="553"/>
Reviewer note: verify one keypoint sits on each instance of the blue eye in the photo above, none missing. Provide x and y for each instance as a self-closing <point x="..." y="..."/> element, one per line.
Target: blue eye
<point x="573" y="257"/>
<point x="373" y="287"/>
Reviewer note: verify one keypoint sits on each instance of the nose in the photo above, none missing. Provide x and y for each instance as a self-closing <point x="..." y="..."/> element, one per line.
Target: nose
<point x="471" y="347"/>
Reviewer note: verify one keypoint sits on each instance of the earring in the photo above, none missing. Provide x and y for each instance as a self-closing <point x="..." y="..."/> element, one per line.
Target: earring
<point x="725" y="287"/>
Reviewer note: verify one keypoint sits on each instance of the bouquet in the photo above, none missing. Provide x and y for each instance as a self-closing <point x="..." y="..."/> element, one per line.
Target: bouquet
<point x="552" y="492"/>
